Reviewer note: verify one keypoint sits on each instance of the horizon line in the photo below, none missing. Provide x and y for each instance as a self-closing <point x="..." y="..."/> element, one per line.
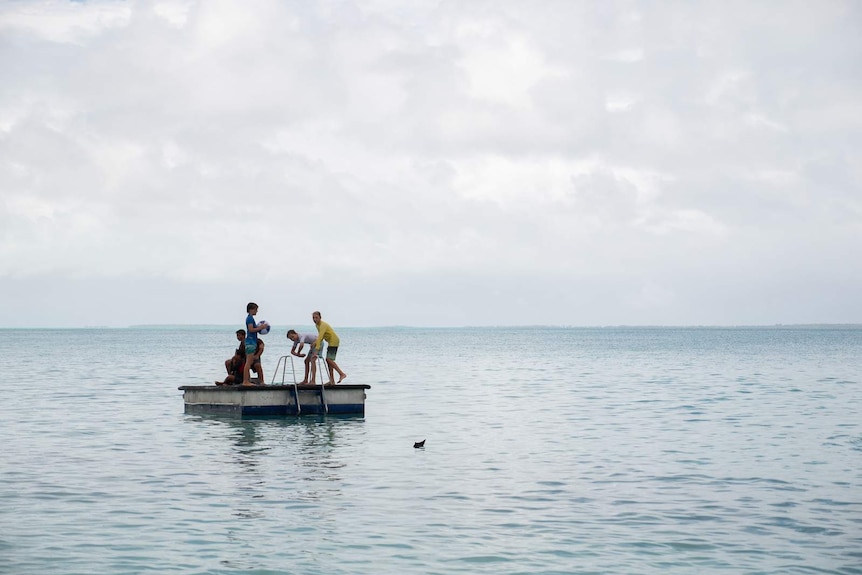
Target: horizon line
<point x="495" y="326"/>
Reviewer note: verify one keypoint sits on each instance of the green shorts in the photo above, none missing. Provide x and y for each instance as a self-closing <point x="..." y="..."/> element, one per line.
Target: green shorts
<point x="331" y="351"/>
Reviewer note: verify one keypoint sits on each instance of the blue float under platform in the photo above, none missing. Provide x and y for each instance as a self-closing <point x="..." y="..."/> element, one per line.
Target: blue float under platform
<point x="275" y="400"/>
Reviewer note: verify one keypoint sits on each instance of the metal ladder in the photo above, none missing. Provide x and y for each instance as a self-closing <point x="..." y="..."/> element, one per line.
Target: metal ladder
<point x="283" y="367"/>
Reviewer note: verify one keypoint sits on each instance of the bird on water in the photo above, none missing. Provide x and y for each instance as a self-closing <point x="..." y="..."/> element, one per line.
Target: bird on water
<point x="419" y="444"/>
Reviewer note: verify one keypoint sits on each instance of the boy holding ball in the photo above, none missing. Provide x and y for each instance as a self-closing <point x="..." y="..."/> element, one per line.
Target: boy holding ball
<point x="251" y="330"/>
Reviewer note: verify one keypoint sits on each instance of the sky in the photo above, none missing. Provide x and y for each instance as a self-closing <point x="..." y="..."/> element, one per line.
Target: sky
<point x="435" y="163"/>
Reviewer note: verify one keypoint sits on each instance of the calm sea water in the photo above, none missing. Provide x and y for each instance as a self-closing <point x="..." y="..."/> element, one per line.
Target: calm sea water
<point x="619" y="450"/>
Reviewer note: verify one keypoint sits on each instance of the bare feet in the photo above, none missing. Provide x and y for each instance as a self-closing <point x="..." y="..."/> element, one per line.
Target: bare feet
<point x="340" y="379"/>
<point x="303" y="382"/>
<point x="246" y="384"/>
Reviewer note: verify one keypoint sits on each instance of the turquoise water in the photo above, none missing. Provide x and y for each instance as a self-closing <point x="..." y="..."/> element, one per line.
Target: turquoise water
<point x="618" y="450"/>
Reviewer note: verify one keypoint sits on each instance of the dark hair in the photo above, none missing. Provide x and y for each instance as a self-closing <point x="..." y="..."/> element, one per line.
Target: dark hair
<point x="242" y="331"/>
<point x="290" y="331"/>
<point x="251" y="305"/>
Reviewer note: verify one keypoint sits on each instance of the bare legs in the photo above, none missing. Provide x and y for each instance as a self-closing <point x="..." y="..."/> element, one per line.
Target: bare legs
<point x="258" y="368"/>
<point x="330" y="366"/>
<point x="310" y="367"/>
<point x="305" y="377"/>
<point x="246" y="373"/>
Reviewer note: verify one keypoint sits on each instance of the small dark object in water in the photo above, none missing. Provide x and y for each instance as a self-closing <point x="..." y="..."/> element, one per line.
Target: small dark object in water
<point x="419" y="444"/>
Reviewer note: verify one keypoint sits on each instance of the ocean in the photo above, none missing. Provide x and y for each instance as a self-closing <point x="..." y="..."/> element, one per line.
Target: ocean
<point x="548" y="451"/>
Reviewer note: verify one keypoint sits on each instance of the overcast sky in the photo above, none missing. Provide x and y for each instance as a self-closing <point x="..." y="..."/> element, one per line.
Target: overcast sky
<point x="434" y="163"/>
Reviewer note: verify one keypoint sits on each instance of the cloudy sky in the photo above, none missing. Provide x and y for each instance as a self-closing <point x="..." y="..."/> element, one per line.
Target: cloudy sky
<point x="437" y="163"/>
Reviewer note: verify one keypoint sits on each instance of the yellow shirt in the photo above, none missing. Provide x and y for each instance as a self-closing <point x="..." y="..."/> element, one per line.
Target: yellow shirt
<point x="326" y="333"/>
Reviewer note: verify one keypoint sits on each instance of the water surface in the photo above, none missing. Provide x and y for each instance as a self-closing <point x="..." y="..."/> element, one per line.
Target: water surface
<point x="615" y="450"/>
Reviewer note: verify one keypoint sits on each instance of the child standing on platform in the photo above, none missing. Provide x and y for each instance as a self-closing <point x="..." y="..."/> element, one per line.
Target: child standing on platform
<point x="251" y="330"/>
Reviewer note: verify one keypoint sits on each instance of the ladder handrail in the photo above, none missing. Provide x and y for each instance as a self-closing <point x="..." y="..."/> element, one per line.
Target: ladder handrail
<point x="322" y="397"/>
<point x="284" y="374"/>
<point x="295" y="385"/>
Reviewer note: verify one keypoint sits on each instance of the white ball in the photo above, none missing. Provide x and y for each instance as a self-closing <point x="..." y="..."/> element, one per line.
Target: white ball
<point x="265" y="329"/>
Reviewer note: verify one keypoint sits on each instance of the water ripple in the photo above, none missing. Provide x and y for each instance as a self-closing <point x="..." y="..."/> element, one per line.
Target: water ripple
<point x="588" y="451"/>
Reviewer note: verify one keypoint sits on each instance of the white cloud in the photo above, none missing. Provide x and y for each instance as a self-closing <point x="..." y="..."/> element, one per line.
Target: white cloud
<point x="176" y="13"/>
<point x="505" y="71"/>
<point x="631" y="152"/>
<point x="63" y="21"/>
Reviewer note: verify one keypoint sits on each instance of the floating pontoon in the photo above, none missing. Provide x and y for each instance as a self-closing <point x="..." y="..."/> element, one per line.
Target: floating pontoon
<point x="276" y="399"/>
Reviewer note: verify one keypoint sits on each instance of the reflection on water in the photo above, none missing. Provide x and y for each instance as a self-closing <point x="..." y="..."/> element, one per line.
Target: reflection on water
<point x="279" y="463"/>
<point x="653" y="451"/>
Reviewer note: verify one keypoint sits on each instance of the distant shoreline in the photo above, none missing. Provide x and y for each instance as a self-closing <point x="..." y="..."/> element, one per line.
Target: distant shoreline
<point x="465" y="327"/>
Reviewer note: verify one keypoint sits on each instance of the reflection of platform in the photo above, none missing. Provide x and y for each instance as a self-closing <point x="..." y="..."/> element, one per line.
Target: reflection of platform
<point x="274" y="400"/>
